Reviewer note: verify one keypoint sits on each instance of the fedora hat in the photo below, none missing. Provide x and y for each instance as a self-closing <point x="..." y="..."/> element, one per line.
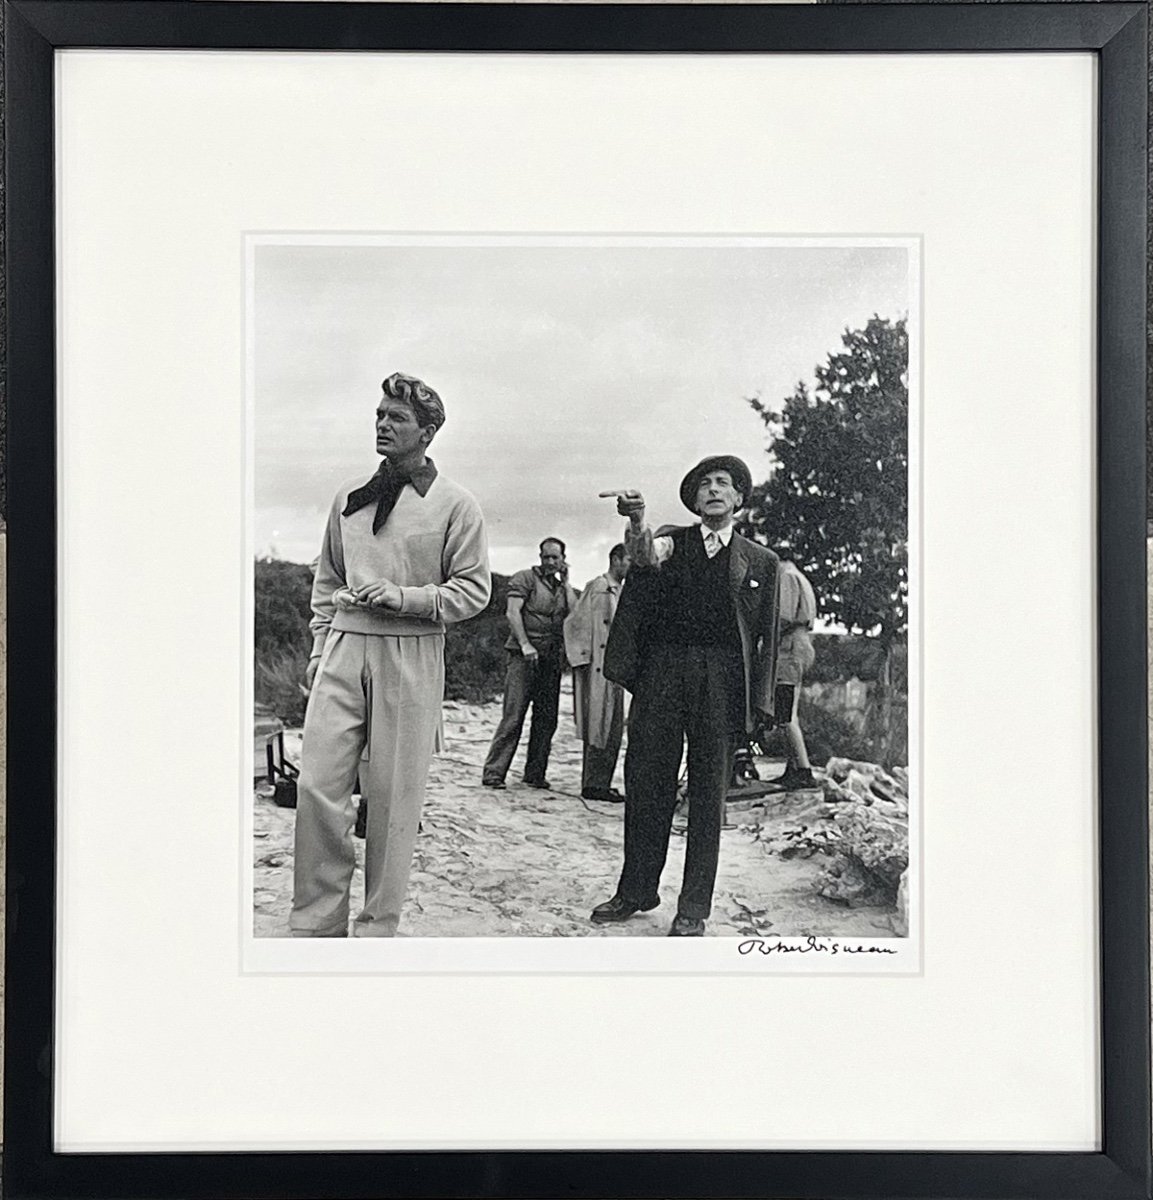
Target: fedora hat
<point x="736" y="468"/>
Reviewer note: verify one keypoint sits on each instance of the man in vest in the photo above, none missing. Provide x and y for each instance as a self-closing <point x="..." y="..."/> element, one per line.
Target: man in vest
<point x="694" y="640"/>
<point x="539" y="599"/>
<point x="403" y="555"/>
<point x="598" y="704"/>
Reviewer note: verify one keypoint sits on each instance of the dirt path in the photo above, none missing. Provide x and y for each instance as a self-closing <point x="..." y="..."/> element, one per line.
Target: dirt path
<point x="524" y="863"/>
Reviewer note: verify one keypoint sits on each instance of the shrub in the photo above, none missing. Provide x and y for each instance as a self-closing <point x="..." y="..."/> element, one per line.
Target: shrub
<point x="283" y="606"/>
<point x="279" y="675"/>
<point x="474" y="654"/>
<point x="283" y="594"/>
<point x="826" y="736"/>
<point x="841" y="656"/>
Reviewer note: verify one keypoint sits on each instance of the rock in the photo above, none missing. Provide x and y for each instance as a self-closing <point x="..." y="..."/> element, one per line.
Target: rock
<point x="870" y="856"/>
<point x="865" y="777"/>
<point x="836" y="793"/>
<point x="864" y="830"/>
<point x="846" y="883"/>
<point x="860" y="785"/>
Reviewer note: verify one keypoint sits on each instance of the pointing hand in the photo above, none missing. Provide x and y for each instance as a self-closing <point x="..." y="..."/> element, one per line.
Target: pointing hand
<point x="630" y="503"/>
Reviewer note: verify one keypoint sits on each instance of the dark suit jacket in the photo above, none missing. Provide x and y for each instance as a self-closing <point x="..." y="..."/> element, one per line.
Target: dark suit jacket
<point x="753" y="580"/>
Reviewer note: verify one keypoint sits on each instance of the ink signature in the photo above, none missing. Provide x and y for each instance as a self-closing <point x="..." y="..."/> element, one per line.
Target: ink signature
<point x="809" y="945"/>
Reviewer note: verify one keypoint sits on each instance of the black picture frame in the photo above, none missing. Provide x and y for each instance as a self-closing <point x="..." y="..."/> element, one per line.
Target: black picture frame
<point x="1116" y="32"/>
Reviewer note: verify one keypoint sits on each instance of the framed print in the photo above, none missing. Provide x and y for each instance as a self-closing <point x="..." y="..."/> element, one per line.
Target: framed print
<point x="577" y="600"/>
<point x="518" y="303"/>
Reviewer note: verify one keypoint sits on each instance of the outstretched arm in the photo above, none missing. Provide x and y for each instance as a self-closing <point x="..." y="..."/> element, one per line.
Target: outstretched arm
<point x="644" y="549"/>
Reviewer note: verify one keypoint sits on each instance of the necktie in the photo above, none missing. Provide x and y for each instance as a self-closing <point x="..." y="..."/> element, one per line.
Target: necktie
<point x="712" y="543"/>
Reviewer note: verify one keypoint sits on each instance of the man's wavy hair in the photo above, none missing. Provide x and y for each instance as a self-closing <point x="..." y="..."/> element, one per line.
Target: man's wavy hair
<point x="426" y="405"/>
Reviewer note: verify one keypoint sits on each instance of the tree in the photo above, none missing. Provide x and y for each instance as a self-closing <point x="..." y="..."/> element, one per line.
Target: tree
<point x="283" y="595"/>
<point x="836" y="501"/>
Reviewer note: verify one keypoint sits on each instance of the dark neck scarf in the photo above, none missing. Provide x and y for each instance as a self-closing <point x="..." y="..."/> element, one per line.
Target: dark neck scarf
<point x="384" y="490"/>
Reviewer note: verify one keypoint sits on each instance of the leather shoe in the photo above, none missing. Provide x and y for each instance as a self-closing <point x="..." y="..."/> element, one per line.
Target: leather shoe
<point x="618" y="909"/>
<point x="541" y="785"/>
<point x="608" y="795"/>
<point x="795" y="780"/>
<point x="687" y="927"/>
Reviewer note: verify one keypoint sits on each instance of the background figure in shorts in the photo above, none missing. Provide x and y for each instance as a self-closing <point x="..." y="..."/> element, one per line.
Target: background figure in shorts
<point x="795" y="655"/>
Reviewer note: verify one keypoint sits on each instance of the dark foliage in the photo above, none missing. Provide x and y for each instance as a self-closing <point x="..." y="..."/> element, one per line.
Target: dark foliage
<point x="283" y="592"/>
<point x="837" y="502"/>
<point x="837" y="499"/>
<point x="279" y="677"/>
<point x="826" y="736"/>
<point x="840" y="658"/>
<point x="283" y="607"/>
<point x="474" y="654"/>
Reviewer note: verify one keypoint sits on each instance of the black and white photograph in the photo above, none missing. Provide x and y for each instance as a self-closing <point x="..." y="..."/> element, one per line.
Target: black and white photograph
<point x="584" y="595"/>
<point x="580" y="555"/>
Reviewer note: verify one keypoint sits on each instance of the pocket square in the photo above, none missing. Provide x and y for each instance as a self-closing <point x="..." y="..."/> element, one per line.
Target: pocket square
<point x="753" y="583"/>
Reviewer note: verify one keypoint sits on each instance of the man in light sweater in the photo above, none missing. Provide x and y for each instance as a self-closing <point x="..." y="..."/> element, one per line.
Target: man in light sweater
<point x="403" y="555"/>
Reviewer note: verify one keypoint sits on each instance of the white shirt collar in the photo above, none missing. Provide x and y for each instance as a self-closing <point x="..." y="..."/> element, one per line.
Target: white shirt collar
<point x="725" y="533"/>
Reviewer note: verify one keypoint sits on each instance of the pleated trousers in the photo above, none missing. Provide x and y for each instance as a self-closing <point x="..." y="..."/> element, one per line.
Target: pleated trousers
<point x="374" y="710"/>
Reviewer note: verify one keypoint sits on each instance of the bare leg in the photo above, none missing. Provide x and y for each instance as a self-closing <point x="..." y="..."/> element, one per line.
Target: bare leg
<point x="795" y="740"/>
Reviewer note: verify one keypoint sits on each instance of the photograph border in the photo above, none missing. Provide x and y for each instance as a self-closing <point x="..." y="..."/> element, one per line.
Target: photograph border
<point x="502" y="954"/>
<point x="1117" y="33"/>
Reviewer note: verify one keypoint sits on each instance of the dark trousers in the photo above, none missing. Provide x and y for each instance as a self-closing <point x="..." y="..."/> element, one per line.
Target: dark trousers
<point x="526" y="683"/>
<point x="692" y="693"/>
<point x="599" y="763"/>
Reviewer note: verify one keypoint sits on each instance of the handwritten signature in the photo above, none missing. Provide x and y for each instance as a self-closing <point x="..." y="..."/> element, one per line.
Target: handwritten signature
<point x="810" y="945"/>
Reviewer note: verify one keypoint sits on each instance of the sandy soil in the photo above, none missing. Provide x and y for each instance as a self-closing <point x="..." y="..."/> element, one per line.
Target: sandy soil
<point x="530" y="864"/>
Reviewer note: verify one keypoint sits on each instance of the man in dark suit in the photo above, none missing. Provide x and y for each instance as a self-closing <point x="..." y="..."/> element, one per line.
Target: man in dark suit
<point x="694" y="640"/>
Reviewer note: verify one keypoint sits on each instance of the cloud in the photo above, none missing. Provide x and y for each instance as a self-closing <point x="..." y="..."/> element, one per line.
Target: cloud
<point x="564" y="370"/>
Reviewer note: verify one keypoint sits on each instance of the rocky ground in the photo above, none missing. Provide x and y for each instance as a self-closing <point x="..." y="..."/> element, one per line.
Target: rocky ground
<point x="524" y="863"/>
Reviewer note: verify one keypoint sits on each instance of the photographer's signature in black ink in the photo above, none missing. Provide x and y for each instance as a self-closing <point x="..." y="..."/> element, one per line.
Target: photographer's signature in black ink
<point x="808" y="945"/>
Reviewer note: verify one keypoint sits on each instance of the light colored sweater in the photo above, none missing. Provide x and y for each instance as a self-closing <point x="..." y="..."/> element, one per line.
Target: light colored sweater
<point x="433" y="547"/>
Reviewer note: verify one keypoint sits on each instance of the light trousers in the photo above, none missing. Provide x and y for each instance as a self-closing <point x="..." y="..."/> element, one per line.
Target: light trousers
<point x="375" y="709"/>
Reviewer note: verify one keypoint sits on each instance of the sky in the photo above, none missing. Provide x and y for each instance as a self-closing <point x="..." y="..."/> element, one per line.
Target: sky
<point x="565" y="370"/>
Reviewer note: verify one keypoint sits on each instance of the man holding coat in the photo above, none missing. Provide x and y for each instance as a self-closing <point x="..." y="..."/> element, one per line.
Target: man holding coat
<point x="598" y="704"/>
<point x="695" y="641"/>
